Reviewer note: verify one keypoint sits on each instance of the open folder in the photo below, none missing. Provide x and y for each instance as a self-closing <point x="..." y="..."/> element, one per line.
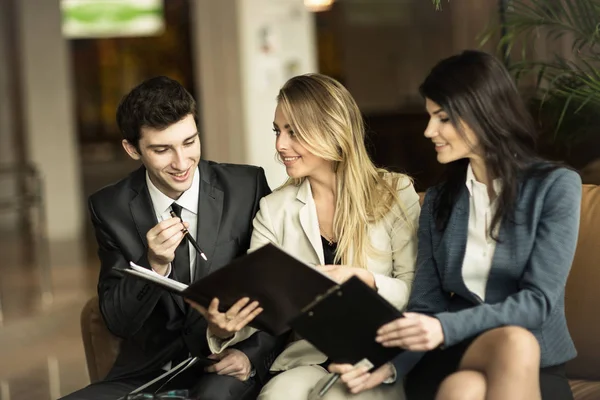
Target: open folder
<point x="343" y="324"/>
<point x="282" y="285"/>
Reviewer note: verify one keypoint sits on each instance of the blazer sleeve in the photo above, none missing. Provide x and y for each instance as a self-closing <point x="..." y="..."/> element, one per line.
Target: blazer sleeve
<point x="125" y="302"/>
<point x="260" y="347"/>
<point x="261" y="235"/>
<point x="427" y="296"/>
<point x="396" y="288"/>
<point x="263" y="232"/>
<point x="545" y="274"/>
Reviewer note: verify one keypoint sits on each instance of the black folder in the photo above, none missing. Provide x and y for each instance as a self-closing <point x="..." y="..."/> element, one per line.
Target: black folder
<point x="343" y="324"/>
<point x="282" y="285"/>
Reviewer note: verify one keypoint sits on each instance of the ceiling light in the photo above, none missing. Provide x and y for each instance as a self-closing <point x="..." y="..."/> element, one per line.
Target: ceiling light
<point x="318" y="5"/>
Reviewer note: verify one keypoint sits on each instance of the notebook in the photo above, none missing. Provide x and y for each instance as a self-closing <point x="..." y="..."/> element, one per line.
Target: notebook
<point x="343" y="322"/>
<point x="282" y="284"/>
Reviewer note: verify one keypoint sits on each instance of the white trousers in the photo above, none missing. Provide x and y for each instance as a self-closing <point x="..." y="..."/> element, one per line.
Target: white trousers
<point x="304" y="383"/>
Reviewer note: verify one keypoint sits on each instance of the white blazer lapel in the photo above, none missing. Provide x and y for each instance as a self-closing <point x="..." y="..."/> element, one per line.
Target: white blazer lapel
<point x="309" y="220"/>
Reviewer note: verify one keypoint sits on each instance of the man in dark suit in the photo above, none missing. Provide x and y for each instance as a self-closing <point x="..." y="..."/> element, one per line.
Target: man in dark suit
<point x="132" y="221"/>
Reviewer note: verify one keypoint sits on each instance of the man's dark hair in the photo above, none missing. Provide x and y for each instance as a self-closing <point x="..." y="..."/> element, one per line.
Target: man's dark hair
<point x="156" y="103"/>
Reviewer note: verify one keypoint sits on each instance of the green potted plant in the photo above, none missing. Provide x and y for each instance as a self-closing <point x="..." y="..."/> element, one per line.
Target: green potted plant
<point x="564" y="89"/>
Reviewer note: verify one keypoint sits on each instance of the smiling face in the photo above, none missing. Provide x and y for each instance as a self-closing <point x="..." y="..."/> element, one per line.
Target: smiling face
<point x="169" y="155"/>
<point x="299" y="162"/>
<point x="449" y="143"/>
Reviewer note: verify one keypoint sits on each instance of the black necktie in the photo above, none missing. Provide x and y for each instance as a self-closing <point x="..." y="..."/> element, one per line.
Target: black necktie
<point x="181" y="263"/>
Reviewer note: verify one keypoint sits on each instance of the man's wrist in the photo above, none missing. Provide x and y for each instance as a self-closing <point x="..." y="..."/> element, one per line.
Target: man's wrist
<point x="163" y="270"/>
<point x="220" y="337"/>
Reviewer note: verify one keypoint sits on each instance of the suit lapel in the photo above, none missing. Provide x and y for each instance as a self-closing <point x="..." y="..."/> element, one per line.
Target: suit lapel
<point x="502" y="260"/>
<point x="144" y="216"/>
<point x="456" y="246"/>
<point x="309" y="220"/>
<point x="141" y="206"/>
<point x="210" y="211"/>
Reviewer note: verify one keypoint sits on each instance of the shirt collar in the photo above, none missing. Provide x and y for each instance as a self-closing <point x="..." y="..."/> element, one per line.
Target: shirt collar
<point x="188" y="200"/>
<point x="472" y="182"/>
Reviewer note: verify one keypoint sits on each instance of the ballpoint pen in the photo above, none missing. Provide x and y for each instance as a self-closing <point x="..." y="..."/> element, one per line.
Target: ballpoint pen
<point x="330" y="382"/>
<point x="189" y="237"/>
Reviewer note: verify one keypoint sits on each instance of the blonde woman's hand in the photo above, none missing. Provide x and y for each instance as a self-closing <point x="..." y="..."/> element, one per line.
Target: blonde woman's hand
<point x="359" y="379"/>
<point x="224" y="325"/>
<point x="415" y="332"/>
<point x="341" y="273"/>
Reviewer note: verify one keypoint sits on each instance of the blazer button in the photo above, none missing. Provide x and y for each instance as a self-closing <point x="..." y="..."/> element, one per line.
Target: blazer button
<point x="187" y="330"/>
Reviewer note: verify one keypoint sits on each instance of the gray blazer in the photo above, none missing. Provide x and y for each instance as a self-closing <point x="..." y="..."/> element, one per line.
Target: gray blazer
<point x="526" y="285"/>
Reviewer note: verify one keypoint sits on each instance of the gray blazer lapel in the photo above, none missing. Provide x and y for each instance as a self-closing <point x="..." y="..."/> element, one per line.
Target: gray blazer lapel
<point x="210" y="210"/>
<point x="456" y="241"/>
<point x="504" y="258"/>
<point x="309" y="220"/>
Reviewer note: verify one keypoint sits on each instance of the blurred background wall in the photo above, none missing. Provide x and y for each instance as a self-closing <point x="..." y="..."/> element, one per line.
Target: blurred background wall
<point x="60" y="87"/>
<point x="64" y="66"/>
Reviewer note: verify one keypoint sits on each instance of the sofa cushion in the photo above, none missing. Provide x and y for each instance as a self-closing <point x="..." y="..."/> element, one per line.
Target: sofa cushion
<point x="585" y="390"/>
<point x="582" y="299"/>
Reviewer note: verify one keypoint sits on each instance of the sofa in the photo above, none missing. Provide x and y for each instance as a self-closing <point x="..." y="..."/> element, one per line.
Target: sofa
<point x="582" y="301"/>
<point x="581" y="304"/>
<point x="101" y="347"/>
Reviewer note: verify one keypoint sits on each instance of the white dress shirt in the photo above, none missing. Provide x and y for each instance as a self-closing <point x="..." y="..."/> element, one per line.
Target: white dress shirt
<point x="189" y="213"/>
<point x="480" y="245"/>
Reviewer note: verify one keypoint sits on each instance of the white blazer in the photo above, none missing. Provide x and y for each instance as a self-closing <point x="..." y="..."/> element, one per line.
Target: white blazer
<point x="288" y="218"/>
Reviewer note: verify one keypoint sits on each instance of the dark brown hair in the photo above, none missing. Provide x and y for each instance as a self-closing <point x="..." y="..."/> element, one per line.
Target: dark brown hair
<point x="156" y="103"/>
<point x="476" y="89"/>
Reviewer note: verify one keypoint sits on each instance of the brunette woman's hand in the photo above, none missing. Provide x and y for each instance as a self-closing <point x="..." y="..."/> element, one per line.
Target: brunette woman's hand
<point x="415" y="332"/>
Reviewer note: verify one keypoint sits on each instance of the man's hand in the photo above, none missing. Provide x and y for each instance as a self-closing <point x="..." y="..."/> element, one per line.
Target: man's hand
<point x="163" y="239"/>
<point x="415" y="332"/>
<point x="341" y="273"/>
<point x="359" y="379"/>
<point x="232" y="362"/>
<point x="224" y="325"/>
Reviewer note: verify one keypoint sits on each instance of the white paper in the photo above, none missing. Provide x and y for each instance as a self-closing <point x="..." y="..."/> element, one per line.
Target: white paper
<point x="154" y="277"/>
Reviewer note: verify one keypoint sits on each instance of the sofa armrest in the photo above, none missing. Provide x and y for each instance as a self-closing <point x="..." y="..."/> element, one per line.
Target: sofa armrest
<point x="101" y="347"/>
<point x="585" y="390"/>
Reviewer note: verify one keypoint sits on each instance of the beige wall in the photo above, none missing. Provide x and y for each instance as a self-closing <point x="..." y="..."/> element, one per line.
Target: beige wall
<point x="239" y="81"/>
<point x="48" y="114"/>
<point x="236" y="113"/>
<point x="292" y="52"/>
<point x="388" y="46"/>
<point x="8" y="219"/>
<point x="218" y="78"/>
<point x="7" y="153"/>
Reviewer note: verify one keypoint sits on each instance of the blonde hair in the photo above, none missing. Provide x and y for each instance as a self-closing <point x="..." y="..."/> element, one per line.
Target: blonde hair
<point x="328" y="123"/>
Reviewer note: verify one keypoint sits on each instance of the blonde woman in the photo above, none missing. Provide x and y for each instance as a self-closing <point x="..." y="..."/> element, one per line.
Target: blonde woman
<point x="337" y="211"/>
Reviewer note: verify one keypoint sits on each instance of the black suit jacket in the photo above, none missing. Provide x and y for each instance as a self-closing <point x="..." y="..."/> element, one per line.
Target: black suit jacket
<point x="155" y="325"/>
